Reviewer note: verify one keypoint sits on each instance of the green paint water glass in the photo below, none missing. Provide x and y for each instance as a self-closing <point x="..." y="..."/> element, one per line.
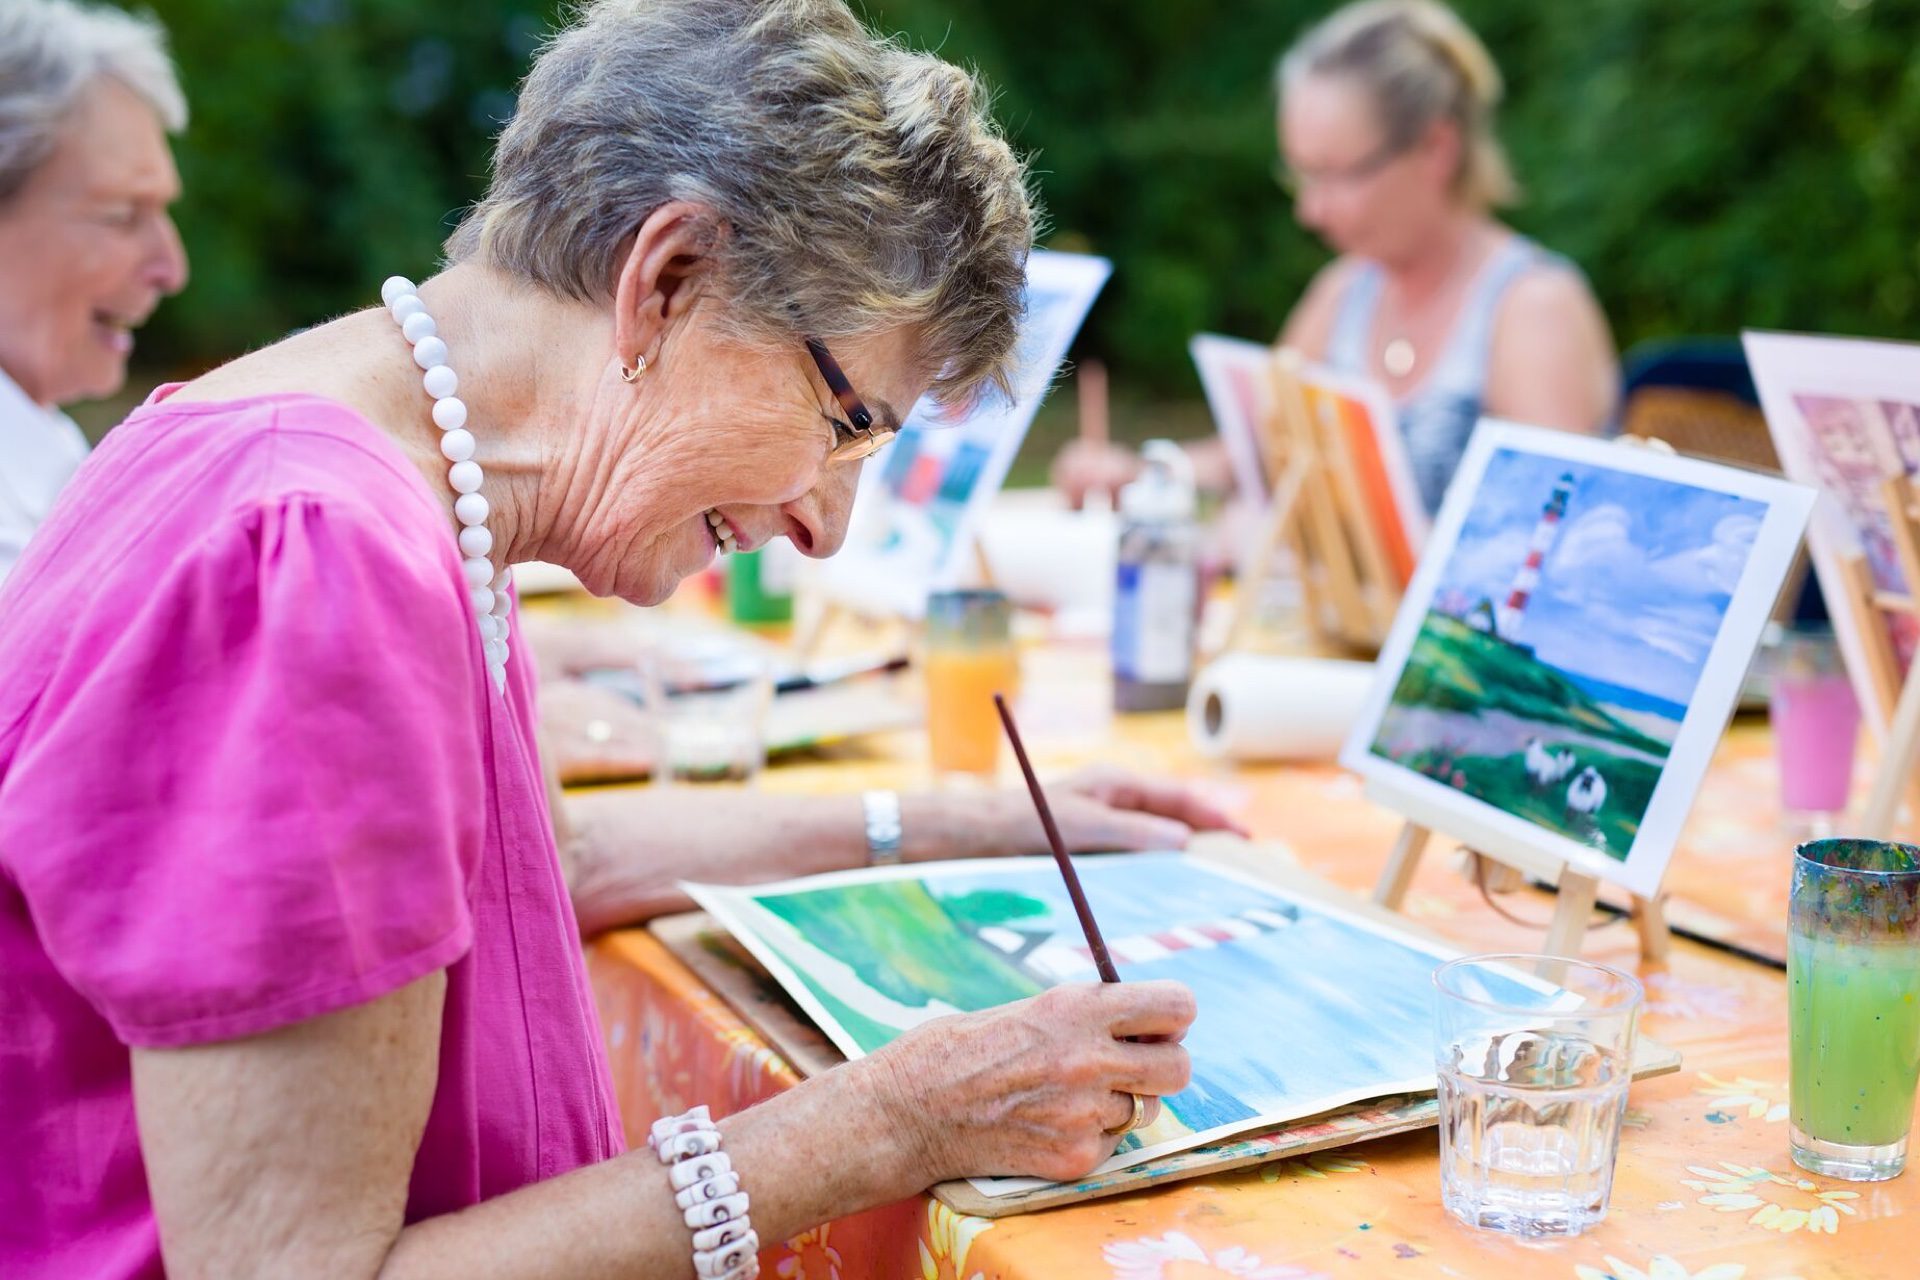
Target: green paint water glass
<point x="1853" y="1006"/>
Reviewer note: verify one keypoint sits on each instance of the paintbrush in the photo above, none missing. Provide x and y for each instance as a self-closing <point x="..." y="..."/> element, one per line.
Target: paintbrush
<point x="1095" y="943"/>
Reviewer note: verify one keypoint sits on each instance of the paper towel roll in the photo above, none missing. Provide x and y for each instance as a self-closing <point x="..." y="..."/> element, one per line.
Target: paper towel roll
<point x="1050" y="558"/>
<point x="1250" y="706"/>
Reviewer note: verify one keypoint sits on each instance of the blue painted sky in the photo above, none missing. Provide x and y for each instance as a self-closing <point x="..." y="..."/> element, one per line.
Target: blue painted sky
<point x="1305" y="1012"/>
<point x="1635" y="588"/>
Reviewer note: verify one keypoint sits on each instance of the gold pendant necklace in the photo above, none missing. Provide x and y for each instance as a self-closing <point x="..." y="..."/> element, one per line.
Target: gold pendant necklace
<point x="1399" y="358"/>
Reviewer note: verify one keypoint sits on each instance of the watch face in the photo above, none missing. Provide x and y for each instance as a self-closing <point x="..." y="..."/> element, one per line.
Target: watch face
<point x="882" y="809"/>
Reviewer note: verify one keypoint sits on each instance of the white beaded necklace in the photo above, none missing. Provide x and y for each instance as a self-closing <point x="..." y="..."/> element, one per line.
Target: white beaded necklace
<point x="488" y="590"/>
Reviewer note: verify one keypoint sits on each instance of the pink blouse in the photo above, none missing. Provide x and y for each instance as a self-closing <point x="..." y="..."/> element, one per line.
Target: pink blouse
<point x="252" y="770"/>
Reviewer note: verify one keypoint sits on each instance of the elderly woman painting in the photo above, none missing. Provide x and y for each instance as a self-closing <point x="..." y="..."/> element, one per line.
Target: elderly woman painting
<point x="293" y="984"/>
<point x="87" y="97"/>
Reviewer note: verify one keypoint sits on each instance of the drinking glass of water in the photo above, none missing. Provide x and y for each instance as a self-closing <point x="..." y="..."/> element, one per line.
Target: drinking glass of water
<point x="1533" y="1085"/>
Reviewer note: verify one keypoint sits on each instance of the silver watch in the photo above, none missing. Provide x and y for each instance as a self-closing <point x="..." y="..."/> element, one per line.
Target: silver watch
<point x="883" y="827"/>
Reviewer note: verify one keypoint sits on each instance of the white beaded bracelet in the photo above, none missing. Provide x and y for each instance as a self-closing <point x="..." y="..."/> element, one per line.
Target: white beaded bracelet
<point x="707" y="1190"/>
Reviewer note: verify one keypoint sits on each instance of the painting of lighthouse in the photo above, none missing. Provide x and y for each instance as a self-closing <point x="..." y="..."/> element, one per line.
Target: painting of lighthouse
<point x="1583" y="608"/>
<point x="1527" y="577"/>
<point x="1303" y="1006"/>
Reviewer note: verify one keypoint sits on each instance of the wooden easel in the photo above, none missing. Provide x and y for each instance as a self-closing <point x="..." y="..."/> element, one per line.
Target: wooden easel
<point x="1319" y="513"/>
<point x="1572" y="914"/>
<point x="1899" y="702"/>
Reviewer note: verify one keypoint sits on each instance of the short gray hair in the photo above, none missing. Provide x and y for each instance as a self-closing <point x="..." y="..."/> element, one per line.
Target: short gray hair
<point x="51" y="51"/>
<point x="856" y="186"/>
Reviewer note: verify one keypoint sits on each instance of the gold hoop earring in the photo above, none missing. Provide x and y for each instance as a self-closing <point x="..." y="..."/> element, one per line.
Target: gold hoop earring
<point x="633" y="374"/>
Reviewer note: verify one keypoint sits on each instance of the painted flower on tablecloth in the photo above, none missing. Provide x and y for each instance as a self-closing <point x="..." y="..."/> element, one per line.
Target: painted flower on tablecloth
<point x="663" y="1064"/>
<point x="812" y="1258"/>
<point x="753" y="1069"/>
<point x="1320" y="1164"/>
<point x="1178" y="1256"/>
<point x="950" y="1235"/>
<point x="1665" y="1267"/>
<point x="1429" y="906"/>
<point x="1779" y="1204"/>
<point x="1757" y="1096"/>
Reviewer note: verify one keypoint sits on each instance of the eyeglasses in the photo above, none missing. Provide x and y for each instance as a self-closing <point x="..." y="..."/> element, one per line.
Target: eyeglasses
<point x="858" y="436"/>
<point x="1294" y="181"/>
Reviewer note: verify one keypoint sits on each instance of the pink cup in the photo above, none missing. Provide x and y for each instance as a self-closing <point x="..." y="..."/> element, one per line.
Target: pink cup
<point x="1816" y="720"/>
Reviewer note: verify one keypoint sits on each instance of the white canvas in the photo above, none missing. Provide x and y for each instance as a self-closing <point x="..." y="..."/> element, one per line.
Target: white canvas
<point x="1576" y="727"/>
<point x="923" y="495"/>
<point x="1845" y="414"/>
<point x="1237" y="377"/>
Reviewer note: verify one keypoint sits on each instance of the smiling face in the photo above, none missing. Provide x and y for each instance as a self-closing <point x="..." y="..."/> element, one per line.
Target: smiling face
<point x="747" y="432"/>
<point x="1353" y="188"/>
<point x="87" y="249"/>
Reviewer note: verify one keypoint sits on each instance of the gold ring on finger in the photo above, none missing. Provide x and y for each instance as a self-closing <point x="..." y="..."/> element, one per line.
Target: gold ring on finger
<point x="1133" y="1121"/>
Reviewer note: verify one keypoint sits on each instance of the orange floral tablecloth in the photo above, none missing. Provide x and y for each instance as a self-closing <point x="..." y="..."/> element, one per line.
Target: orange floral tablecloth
<point x="1704" y="1188"/>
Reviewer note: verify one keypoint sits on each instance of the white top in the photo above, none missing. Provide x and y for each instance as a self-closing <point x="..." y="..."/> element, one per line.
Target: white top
<point x="40" y="449"/>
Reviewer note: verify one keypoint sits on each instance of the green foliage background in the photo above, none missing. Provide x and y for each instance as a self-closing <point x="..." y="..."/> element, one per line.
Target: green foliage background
<point x="1711" y="164"/>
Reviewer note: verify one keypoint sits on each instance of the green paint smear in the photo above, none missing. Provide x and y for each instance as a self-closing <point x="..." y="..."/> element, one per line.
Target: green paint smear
<point x="992" y="907"/>
<point x="907" y="945"/>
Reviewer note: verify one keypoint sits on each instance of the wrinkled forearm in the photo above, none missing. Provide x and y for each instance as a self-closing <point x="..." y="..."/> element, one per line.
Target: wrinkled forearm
<point x="627" y="850"/>
<point x="619" y="1219"/>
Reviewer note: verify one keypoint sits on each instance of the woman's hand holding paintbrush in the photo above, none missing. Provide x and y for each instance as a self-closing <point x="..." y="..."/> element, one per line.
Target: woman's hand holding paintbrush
<point x="1145" y="1107"/>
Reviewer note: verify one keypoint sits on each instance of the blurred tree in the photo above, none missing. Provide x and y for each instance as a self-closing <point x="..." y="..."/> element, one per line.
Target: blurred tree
<point x="1711" y="165"/>
<point x="333" y="143"/>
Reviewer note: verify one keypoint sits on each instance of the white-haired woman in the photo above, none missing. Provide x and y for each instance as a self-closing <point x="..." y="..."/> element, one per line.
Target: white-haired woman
<point x="1388" y="143"/>
<point x="87" y="97"/>
<point x="293" y="985"/>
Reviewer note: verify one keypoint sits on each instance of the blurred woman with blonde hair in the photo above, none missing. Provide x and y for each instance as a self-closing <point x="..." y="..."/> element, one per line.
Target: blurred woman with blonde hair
<point x="1388" y="145"/>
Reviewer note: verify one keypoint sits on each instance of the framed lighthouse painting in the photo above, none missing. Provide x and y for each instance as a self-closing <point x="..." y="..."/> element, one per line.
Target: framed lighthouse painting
<point x="1570" y="649"/>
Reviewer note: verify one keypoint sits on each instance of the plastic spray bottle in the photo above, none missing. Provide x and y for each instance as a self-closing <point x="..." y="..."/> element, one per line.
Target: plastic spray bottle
<point x="1155" y="603"/>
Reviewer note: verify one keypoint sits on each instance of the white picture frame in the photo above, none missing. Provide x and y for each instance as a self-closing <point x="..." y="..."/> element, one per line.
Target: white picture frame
<point x="1850" y="517"/>
<point x="1236" y="377"/>
<point x="1587" y="571"/>
<point x="921" y="498"/>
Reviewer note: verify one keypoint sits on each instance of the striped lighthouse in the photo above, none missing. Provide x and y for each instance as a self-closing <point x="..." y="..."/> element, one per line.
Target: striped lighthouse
<point x="1052" y="958"/>
<point x="1527" y="578"/>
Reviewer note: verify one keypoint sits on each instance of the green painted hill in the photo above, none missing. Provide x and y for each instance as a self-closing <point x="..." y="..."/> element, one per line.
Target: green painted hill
<point x="1455" y="668"/>
<point x="906" y="944"/>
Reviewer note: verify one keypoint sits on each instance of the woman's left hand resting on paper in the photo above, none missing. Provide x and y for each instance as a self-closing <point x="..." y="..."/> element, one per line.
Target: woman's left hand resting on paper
<point x="626" y="851"/>
<point x="1026" y="1089"/>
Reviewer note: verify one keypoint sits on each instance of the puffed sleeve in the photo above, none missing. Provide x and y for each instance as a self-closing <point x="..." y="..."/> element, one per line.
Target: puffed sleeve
<point x="261" y="797"/>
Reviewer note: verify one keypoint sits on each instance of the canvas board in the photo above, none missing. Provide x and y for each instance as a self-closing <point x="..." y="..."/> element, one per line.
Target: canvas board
<point x="1237" y="377"/>
<point x="923" y="495"/>
<point x="869" y="954"/>
<point x="1845" y="416"/>
<point x="1584" y="610"/>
